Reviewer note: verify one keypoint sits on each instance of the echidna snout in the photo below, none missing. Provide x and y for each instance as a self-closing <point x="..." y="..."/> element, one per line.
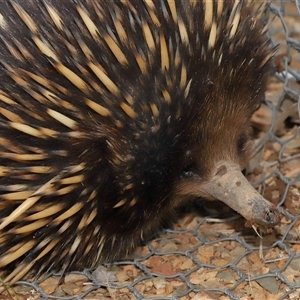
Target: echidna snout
<point x="230" y="186"/>
<point x="111" y="115"/>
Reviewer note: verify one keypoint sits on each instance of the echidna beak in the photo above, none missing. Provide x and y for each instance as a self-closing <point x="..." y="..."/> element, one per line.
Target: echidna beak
<point x="231" y="187"/>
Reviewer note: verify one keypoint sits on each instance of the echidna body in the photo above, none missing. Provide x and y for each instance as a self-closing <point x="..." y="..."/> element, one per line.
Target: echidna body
<point x="111" y="114"/>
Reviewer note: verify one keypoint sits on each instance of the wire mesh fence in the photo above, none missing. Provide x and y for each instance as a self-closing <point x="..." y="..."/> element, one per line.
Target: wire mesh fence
<point x="210" y="257"/>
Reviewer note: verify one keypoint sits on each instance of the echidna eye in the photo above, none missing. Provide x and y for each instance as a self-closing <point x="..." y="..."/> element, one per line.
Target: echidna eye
<point x="241" y="142"/>
<point x="189" y="170"/>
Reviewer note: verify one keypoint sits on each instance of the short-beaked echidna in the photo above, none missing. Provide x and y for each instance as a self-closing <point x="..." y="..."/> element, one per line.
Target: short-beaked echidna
<point x="112" y="113"/>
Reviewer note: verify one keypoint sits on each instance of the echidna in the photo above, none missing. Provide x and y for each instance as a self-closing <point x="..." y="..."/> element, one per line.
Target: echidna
<point x="112" y="113"/>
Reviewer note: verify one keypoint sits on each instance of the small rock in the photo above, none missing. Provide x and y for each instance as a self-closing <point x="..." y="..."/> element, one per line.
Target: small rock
<point x="159" y="283"/>
<point x="270" y="284"/>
